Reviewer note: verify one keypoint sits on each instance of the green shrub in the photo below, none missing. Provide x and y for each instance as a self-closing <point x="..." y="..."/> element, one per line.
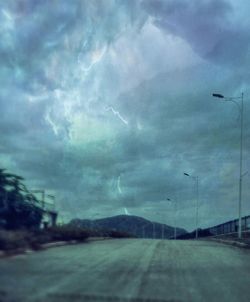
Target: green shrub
<point x="18" y="207"/>
<point x="39" y="237"/>
<point x="119" y="234"/>
<point x="67" y="233"/>
<point x="27" y="239"/>
<point x="13" y="240"/>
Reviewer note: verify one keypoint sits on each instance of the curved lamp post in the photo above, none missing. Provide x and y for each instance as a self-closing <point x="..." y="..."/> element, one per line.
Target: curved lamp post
<point x="240" y="106"/>
<point x="196" y="178"/>
<point x="174" y="216"/>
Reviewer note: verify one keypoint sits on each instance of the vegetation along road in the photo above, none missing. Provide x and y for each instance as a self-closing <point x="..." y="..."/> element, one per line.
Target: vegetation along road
<point x="129" y="270"/>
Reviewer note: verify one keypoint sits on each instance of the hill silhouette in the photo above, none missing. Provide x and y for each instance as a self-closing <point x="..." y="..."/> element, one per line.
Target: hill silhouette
<point x="135" y="225"/>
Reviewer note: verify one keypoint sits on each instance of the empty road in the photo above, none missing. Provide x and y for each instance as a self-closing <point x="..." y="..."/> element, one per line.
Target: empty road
<point x="129" y="270"/>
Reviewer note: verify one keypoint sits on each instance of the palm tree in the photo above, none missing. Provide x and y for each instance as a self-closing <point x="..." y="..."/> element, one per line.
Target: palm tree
<point x="4" y="184"/>
<point x="17" y="204"/>
<point x="4" y="181"/>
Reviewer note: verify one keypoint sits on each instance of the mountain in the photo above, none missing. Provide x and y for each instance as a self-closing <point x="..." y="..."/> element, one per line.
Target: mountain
<point x="134" y="225"/>
<point x="192" y="235"/>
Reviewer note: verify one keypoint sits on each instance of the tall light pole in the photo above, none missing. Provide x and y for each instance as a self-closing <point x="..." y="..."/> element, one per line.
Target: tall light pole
<point x="196" y="178"/>
<point x="162" y="225"/>
<point x="174" y="217"/>
<point x="153" y="230"/>
<point x="143" y="231"/>
<point x="241" y="107"/>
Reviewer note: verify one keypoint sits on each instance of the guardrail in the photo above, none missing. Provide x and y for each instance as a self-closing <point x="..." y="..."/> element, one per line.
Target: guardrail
<point x="230" y="227"/>
<point x="245" y="234"/>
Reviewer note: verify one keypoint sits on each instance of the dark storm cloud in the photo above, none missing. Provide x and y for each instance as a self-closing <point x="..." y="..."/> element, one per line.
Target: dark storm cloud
<point x="187" y="130"/>
<point x="32" y="31"/>
<point x="206" y="25"/>
<point x="64" y="64"/>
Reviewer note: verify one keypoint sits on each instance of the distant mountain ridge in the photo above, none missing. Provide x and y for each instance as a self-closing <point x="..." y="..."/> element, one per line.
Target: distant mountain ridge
<point x="134" y="225"/>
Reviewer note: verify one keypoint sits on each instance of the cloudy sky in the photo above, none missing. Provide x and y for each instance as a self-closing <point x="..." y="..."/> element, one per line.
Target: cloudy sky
<point x="105" y="103"/>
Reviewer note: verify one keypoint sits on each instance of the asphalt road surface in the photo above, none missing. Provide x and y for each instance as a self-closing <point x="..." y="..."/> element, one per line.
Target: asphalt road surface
<point x="129" y="270"/>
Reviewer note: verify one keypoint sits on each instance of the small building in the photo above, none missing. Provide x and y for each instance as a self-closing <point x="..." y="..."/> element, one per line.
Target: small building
<point x="49" y="219"/>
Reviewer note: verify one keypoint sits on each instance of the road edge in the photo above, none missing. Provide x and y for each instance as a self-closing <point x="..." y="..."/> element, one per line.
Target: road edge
<point x="11" y="253"/>
<point x="231" y="242"/>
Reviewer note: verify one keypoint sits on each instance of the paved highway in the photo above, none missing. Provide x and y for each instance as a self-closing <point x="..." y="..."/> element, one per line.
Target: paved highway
<point x="129" y="270"/>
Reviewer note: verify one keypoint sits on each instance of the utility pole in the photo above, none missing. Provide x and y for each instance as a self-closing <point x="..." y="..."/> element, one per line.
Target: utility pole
<point x="196" y="178"/>
<point x="240" y="179"/>
<point x="241" y="109"/>
<point x="175" y="205"/>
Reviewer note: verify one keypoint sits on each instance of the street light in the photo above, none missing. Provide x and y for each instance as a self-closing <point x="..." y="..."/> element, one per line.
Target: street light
<point x="232" y="99"/>
<point x="196" y="178"/>
<point x="174" y="216"/>
<point x="143" y="230"/>
<point x="153" y="229"/>
<point x="218" y="95"/>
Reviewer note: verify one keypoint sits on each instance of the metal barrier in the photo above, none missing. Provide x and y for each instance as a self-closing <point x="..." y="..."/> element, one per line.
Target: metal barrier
<point x="230" y="227"/>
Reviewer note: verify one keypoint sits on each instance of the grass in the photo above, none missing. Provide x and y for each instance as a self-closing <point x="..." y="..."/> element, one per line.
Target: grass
<point x="26" y="239"/>
<point x="10" y="240"/>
